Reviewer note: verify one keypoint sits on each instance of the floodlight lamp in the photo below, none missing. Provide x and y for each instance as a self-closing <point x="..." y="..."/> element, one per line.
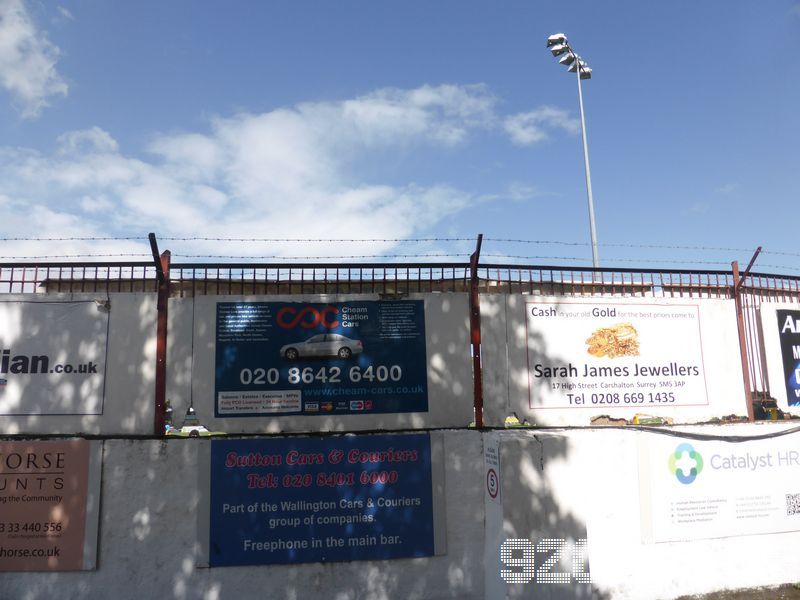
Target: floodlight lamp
<point x="586" y="73"/>
<point x="567" y="59"/>
<point x="556" y="38"/>
<point x="559" y="49"/>
<point x="574" y="66"/>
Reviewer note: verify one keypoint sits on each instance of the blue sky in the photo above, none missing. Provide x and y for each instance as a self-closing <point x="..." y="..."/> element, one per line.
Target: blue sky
<point x="402" y="120"/>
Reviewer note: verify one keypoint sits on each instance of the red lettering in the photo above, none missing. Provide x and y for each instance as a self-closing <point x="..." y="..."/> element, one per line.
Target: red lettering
<point x="325" y="312"/>
<point x="288" y="317"/>
<point x="230" y="460"/>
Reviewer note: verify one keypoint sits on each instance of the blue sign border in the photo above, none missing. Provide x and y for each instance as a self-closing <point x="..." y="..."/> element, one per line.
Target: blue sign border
<point x="340" y="516"/>
<point x="374" y="359"/>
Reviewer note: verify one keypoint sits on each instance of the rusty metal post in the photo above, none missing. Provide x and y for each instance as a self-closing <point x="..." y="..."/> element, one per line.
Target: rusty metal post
<point x="162" y="271"/>
<point x="156" y="259"/>
<point x="737" y="296"/>
<point x="475" y="332"/>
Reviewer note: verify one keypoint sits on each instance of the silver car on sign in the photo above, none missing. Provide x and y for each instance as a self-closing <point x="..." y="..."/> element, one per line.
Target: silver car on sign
<point x="323" y="345"/>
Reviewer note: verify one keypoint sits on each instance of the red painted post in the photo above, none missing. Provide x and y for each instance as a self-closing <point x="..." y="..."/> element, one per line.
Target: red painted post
<point x="475" y="333"/>
<point x="737" y="295"/>
<point x="161" y="345"/>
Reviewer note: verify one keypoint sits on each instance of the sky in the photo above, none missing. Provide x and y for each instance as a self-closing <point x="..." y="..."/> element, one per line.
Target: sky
<point x="409" y="127"/>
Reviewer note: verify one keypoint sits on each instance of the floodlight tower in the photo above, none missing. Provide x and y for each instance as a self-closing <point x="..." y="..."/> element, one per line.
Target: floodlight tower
<point x="558" y="45"/>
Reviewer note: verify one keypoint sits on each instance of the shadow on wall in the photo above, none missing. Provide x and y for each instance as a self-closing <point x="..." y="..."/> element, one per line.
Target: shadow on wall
<point x="148" y="539"/>
<point x="150" y="498"/>
<point x="531" y="348"/>
<point x="533" y="489"/>
<point x="56" y="349"/>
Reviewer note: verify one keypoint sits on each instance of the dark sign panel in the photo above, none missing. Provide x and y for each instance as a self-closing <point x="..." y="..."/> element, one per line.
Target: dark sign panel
<point x="281" y="358"/>
<point x="789" y="335"/>
<point x="277" y="501"/>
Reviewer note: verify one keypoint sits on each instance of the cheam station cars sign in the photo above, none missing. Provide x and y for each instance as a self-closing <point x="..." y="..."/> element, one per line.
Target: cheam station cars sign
<point x="355" y="357"/>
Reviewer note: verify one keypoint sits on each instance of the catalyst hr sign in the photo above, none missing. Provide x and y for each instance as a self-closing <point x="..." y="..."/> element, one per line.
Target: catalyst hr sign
<point x="698" y="489"/>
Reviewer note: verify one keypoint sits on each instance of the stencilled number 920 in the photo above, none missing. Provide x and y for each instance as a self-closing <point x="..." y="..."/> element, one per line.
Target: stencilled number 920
<point x="519" y="555"/>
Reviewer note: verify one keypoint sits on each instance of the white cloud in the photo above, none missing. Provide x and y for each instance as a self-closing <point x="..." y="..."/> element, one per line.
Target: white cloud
<point x="86" y="141"/>
<point x="727" y="188"/>
<point x="444" y="113"/>
<point x="529" y="128"/>
<point x="27" y="60"/>
<point x="698" y="208"/>
<point x="519" y="192"/>
<point x="293" y="172"/>
<point x="65" y="13"/>
<point x="96" y="204"/>
<point x="290" y="172"/>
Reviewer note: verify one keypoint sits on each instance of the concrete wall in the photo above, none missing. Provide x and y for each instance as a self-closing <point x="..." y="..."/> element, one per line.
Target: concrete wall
<point x="191" y="357"/>
<point x="568" y="484"/>
<point x="510" y="343"/>
<point x="127" y="406"/>
<point x="553" y="484"/>
<point x="148" y="540"/>
<point x="126" y="402"/>
<point x="585" y="484"/>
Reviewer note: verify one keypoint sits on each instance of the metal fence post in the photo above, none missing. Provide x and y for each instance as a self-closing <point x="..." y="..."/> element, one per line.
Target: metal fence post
<point x="162" y="272"/>
<point x="475" y="332"/>
<point x="737" y="296"/>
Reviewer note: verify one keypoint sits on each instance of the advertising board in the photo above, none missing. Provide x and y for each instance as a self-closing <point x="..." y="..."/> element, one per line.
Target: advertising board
<point x="355" y="357"/>
<point x="45" y="486"/>
<point x="604" y="355"/>
<point x="789" y="336"/>
<point x="693" y="489"/>
<point x="52" y="357"/>
<point x="277" y="501"/>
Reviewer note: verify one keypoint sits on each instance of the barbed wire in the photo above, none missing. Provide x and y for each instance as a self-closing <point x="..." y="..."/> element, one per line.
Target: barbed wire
<point x="235" y="239"/>
<point x="52" y="256"/>
<point x="327" y="257"/>
<point x="633" y="246"/>
<point x="505" y="257"/>
<point x="605" y="259"/>
<point x="72" y="239"/>
<point x="393" y="240"/>
<point x="319" y="240"/>
<point x="429" y="255"/>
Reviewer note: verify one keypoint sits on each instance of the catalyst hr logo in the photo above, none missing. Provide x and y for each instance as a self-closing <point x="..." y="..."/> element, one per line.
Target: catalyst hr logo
<point x="685" y="463"/>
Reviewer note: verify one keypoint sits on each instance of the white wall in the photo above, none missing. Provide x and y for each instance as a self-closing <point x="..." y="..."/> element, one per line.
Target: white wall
<point x="148" y="536"/>
<point x="507" y="339"/>
<point x="191" y="358"/>
<point x="567" y="484"/>
<point x="585" y="483"/>
<point x="129" y="382"/>
<point x="127" y="405"/>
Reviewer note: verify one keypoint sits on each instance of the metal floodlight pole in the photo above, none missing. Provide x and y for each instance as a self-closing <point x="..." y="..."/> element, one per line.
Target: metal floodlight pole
<point x="558" y="45"/>
<point x="592" y="230"/>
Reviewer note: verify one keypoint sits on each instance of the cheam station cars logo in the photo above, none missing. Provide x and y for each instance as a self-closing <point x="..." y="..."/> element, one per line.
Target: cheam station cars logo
<point x="685" y="463"/>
